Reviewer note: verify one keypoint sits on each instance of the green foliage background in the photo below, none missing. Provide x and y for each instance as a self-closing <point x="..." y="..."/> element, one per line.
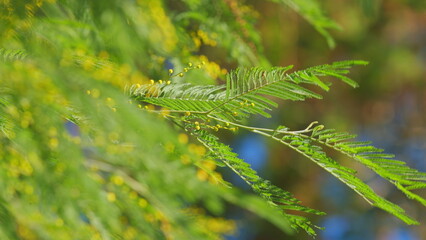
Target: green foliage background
<point x="125" y="173"/>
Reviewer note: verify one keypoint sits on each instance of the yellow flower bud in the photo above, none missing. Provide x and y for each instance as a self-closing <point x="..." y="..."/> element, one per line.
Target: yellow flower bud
<point x="111" y="197"/>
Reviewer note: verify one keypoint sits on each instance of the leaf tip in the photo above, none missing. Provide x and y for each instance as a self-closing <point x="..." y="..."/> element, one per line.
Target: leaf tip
<point x="360" y="62"/>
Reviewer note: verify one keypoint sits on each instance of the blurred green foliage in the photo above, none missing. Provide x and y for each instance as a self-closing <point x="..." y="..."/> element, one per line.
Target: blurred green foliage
<point x="79" y="161"/>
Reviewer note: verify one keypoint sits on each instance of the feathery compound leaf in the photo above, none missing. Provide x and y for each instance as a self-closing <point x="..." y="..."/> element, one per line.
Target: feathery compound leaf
<point x="277" y="197"/>
<point x="396" y="172"/>
<point x="5" y="121"/>
<point x="12" y="54"/>
<point x="305" y="146"/>
<point x="245" y="92"/>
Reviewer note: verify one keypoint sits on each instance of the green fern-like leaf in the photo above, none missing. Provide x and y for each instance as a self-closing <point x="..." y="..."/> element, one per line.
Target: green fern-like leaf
<point x="396" y="172"/>
<point x="245" y="91"/>
<point x="307" y="147"/>
<point x="5" y="122"/>
<point x="276" y="196"/>
<point x="12" y="54"/>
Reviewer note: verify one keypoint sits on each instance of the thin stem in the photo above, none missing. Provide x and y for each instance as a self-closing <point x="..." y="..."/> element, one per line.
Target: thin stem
<point x="226" y="163"/>
<point x="241" y="126"/>
<point x="318" y="163"/>
<point x="175" y="111"/>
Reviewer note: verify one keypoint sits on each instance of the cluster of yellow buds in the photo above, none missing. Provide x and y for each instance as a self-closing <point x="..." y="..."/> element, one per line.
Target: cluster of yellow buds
<point x="160" y="81"/>
<point x="197" y="125"/>
<point x="225" y="126"/>
<point x="214" y="127"/>
<point x="172" y="74"/>
<point x="247" y="104"/>
<point x="186" y="69"/>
